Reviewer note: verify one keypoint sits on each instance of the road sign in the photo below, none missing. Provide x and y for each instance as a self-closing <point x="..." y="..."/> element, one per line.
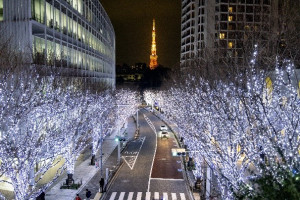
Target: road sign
<point x="178" y="151"/>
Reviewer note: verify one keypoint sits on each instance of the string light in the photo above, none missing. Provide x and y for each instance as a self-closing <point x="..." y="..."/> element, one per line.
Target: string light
<point x="234" y="130"/>
<point x="42" y="124"/>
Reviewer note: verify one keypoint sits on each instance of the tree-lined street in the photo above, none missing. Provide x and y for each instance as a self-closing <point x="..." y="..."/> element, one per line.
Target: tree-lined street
<point x="153" y="172"/>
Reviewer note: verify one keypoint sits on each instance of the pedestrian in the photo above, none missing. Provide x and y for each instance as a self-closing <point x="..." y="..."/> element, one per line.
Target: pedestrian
<point x="88" y="194"/>
<point x="77" y="197"/>
<point x="41" y="196"/>
<point x="101" y="184"/>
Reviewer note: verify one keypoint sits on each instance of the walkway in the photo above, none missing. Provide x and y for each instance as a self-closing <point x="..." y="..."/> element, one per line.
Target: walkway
<point x="87" y="173"/>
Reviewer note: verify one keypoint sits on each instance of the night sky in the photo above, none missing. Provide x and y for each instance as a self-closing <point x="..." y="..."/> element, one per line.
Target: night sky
<point x="132" y="21"/>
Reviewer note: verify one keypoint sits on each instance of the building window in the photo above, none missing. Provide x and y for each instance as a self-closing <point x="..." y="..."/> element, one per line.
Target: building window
<point x="230" y="9"/>
<point x="298" y="92"/>
<point x="38" y="11"/>
<point x="247" y="28"/>
<point x="230" y="18"/>
<point x="268" y="91"/>
<point x="1" y="10"/>
<point x="230" y="45"/>
<point x="222" y="36"/>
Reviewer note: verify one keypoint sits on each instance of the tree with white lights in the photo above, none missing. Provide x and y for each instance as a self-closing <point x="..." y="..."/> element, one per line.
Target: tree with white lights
<point x="102" y="118"/>
<point x="126" y="102"/>
<point x="240" y="128"/>
<point x="30" y="135"/>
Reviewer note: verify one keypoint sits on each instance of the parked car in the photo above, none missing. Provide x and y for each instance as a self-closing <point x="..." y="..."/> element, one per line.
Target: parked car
<point x="163" y="128"/>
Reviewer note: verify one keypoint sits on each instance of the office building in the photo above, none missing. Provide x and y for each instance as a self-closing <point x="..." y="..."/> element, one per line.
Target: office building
<point x="222" y="28"/>
<point x="75" y="37"/>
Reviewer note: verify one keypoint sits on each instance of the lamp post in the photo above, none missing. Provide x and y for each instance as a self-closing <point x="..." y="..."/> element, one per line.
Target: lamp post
<point x="118" y="115"/>
<point x="118" y="139"/>
<point x="101" y="149"/>
<point x="137" y="118"/>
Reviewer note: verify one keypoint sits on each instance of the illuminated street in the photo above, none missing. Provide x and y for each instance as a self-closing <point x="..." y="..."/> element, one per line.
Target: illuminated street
<point x="150" y="171"/>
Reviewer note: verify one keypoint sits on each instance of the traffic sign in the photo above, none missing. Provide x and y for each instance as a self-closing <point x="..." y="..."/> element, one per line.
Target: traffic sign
<point x="178" y="152"/>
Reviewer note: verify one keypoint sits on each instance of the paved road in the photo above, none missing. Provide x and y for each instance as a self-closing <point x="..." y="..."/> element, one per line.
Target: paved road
<point x="149" y="170"/>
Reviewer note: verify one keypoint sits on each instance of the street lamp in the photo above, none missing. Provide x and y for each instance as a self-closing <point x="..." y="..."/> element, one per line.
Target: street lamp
<point x="137" y="118"/>
<point x="118" y="138"/>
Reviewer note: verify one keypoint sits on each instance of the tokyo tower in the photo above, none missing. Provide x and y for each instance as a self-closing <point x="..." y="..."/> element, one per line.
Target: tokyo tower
<point x="153" y="56"/>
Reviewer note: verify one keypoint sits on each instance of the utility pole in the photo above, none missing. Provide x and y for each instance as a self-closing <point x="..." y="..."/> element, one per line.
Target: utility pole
<point x="101" y="151"/>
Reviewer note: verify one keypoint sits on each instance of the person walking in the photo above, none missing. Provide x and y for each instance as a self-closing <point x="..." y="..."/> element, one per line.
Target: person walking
<point x="88" y="194"/>
<point x="41" y="196"/>
<point x="101" y="182"/>
<point x="77" y="197"/>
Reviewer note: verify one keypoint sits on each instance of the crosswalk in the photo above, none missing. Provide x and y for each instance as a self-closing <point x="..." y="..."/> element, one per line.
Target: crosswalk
<point x="146" y="196"/>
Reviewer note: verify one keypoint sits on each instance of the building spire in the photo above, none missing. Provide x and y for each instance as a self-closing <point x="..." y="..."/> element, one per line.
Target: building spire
<point x="153" y="56"/>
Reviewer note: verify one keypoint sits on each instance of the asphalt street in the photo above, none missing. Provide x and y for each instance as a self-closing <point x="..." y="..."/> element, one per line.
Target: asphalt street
<point x="149" y="171"/>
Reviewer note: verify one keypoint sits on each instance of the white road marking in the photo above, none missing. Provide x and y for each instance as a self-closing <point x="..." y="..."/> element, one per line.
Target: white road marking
<point x="174" y="196"/>
<point x="182" y="196"/>
<point x="139" y="196"/>
<point x="113" y="195"/>
<point x="154" y="150"/>
<point x="148" y="195"/>
<point x="121" y="197"/>
<point x="167" y="179"/>
<point x="132" y="159"/>
<point x="165" y="195"/>
<point x="156" y="195"/>
<point x="130" y="196"/>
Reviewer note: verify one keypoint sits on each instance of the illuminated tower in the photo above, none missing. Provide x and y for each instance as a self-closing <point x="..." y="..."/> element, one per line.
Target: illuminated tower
<point x="153" y="56"/>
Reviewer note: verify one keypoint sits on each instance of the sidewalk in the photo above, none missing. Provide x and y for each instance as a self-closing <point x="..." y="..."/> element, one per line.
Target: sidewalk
<point x="85" y="172"/>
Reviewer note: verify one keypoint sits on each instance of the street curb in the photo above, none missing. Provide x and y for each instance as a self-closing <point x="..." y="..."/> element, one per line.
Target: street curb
<point x="83" y="185"/>
<point x="111" y="180"/>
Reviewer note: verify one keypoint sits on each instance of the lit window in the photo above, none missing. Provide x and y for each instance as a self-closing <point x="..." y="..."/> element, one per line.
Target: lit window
<point x="283" y="132"/>
<point x="230" y="45"/>
<point x="222" y="36"/>
<point x="284" y="101"/>
<point x="298" y="90"/>
<point x="230" y="9"/>
<point x="238" y="149"/>
<point x="230" y="18"/>
<point x="268" y="90"/>
<point x="247" y="27"/>
<point x="1" y="10"/>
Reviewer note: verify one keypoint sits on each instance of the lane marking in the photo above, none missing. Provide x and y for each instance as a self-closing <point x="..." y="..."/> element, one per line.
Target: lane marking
<point x="168" y="179"/>
<point x="113" y="195"/>
<point x="154" y="151"/>
<point x="139" y="196"/>
<point x="130" y="196"/>
<point x="156" y="195"/>
<point x="148" y="194"/>
<point x="174" y="196"/>
<point x="182" y="196"/>
<point x="121" y="197"/>
<point x="165" y="196"/>
<point x="132" y="159"/>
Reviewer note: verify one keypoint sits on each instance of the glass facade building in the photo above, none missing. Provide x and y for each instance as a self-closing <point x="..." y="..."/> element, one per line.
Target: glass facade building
<point x="73" y="35"/>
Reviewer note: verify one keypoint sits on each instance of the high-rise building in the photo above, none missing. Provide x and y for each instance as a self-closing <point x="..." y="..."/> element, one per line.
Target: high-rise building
<point x="221" y="28"/>
<point x="75" y="36"/>
<point x="153" y="56"/>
